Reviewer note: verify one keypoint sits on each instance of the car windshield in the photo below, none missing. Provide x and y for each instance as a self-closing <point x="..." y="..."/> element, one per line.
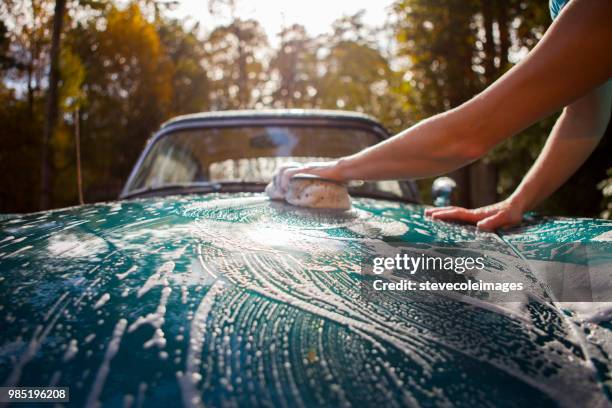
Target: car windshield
<point x="251" y="154"/>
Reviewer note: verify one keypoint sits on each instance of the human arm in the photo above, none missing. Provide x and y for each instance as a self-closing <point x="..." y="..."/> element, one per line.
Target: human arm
<point x="573" y="138"/>
<point x="569" y="61"/>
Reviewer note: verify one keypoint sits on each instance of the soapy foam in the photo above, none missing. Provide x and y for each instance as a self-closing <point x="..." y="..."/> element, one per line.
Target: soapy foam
<point x="104" y="370"/>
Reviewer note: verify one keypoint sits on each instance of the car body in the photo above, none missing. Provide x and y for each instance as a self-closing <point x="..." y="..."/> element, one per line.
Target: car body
<point x="200" y="296"/>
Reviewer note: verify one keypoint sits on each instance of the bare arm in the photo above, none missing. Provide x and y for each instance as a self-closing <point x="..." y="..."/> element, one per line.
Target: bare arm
<point x="571" y="59"/>
<point x="573" y="138"/>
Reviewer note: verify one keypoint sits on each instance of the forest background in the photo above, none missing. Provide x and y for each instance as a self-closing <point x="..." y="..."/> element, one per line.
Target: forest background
<point x="112" y="71"/>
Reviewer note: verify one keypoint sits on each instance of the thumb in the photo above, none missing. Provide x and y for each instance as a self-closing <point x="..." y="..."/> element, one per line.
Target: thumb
<point x="285" y="177"/>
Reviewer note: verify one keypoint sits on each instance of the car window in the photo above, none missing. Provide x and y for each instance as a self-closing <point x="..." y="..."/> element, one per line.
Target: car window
<point x="248" y="154"/>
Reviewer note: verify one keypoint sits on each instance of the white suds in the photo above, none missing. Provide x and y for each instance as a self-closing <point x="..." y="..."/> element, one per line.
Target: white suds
<point x="122" y="276"/>
<point x="22" y="249"/>
<point x="71" y="350"/>
<point x="102" y="301"/>
<point x="111" y="351"/>
<point x="158" y="278"/>
<point x="155" y="319"/>
<point x="189" y="379"/>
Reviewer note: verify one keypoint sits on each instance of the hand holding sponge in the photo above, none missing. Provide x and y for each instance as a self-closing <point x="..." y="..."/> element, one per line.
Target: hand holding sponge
<point x="307" y="190"/>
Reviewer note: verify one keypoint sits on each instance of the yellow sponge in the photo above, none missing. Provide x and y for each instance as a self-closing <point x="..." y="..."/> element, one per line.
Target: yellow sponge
<point x="314" y="192"/>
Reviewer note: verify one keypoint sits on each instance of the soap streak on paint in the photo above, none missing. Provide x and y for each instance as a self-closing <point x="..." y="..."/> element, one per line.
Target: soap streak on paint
<point x="104" y="370"/>
<point x="189" y="379"/>
<point x="39" y="336"/>
<point x="122" y="276"/>
<point x="156" y="320"/>
<point x="71" y="351"/>
<point x="203" y="264"/>
<point x="55" y="305"/>
<point x="102" y="301"/>
<point x="160" y="277"/>
<point x="19" y="251"/>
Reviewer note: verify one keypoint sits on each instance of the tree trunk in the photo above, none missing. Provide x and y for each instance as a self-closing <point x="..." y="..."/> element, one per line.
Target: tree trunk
<point x="489" y="45"/>
<point x="30" y="71"/>
<point x="77" y="145"/>
<point x="483" y="184"/>
<point x="460" y="86"/>
<point x="51" y="104"/>
<point x="504" y="35"/>
<point x="483" y="176"/>
<point x="242" y="70"/>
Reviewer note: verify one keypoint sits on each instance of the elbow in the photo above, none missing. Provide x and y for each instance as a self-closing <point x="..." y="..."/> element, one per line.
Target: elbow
<point x="470" y="138"/>
<point x="590" y="115"/>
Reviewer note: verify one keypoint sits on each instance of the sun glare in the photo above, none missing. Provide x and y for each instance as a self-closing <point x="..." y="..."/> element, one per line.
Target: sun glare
<point x="315" y="15"/>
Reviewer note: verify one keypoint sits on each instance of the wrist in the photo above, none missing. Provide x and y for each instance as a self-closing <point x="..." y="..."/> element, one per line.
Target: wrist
<point x="340" y="170"/>
<point x="519" y="201"/>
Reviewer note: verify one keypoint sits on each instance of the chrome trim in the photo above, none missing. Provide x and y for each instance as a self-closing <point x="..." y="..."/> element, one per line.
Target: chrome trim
<point x="273" y="113"/>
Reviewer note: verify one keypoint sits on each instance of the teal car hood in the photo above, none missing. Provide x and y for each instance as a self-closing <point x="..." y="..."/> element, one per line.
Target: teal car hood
<point x="234" y="299"/>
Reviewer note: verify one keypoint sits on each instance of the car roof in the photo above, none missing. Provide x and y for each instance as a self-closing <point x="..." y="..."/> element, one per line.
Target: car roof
<point x="272" y="114"/>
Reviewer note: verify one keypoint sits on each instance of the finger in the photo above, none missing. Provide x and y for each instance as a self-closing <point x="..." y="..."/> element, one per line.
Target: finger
<point x="286" y="177"/>
<point x="456" y="214"/>
<point x="494" y="222"/>
<point x="280" y="174"/>
<point x="433" y="210"/>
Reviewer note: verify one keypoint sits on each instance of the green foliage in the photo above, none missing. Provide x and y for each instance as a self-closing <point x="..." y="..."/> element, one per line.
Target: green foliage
<point x="295" y="64"/>
<point x="237" y="74"/>
<point x="190" y="85"/>
<point x="343" y="70"/>
<point x="515" y="156"/>
<point x="72" y="77"/>
<point x="128" y="93"/>
<point x="438" y="40"/>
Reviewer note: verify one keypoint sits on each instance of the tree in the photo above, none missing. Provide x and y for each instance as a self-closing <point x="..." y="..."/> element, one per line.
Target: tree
<point x="127" y="90"/>
<point x="29" y="39"/>
<point x="186" y="53"/>
<point x="235" y="67"/>
<point x="294" y="67"/>
<point x="357" y="76"/>
<point x="6" y="60"/>
<point x="437" y="37"/>
<point x="51" y="103"/>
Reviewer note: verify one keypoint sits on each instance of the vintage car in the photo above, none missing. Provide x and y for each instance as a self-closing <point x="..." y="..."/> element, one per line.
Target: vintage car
<point x="195" y="289"/>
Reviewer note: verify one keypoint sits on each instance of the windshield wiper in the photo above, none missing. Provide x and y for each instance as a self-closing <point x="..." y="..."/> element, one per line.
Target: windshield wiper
<point x="380" y="195"/>
<point x="205" y="187"/>
<point x="234" y="186"/>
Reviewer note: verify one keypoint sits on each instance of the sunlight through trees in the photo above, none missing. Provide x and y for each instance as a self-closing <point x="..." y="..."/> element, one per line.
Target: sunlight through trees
<point x="128" y="66"/>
